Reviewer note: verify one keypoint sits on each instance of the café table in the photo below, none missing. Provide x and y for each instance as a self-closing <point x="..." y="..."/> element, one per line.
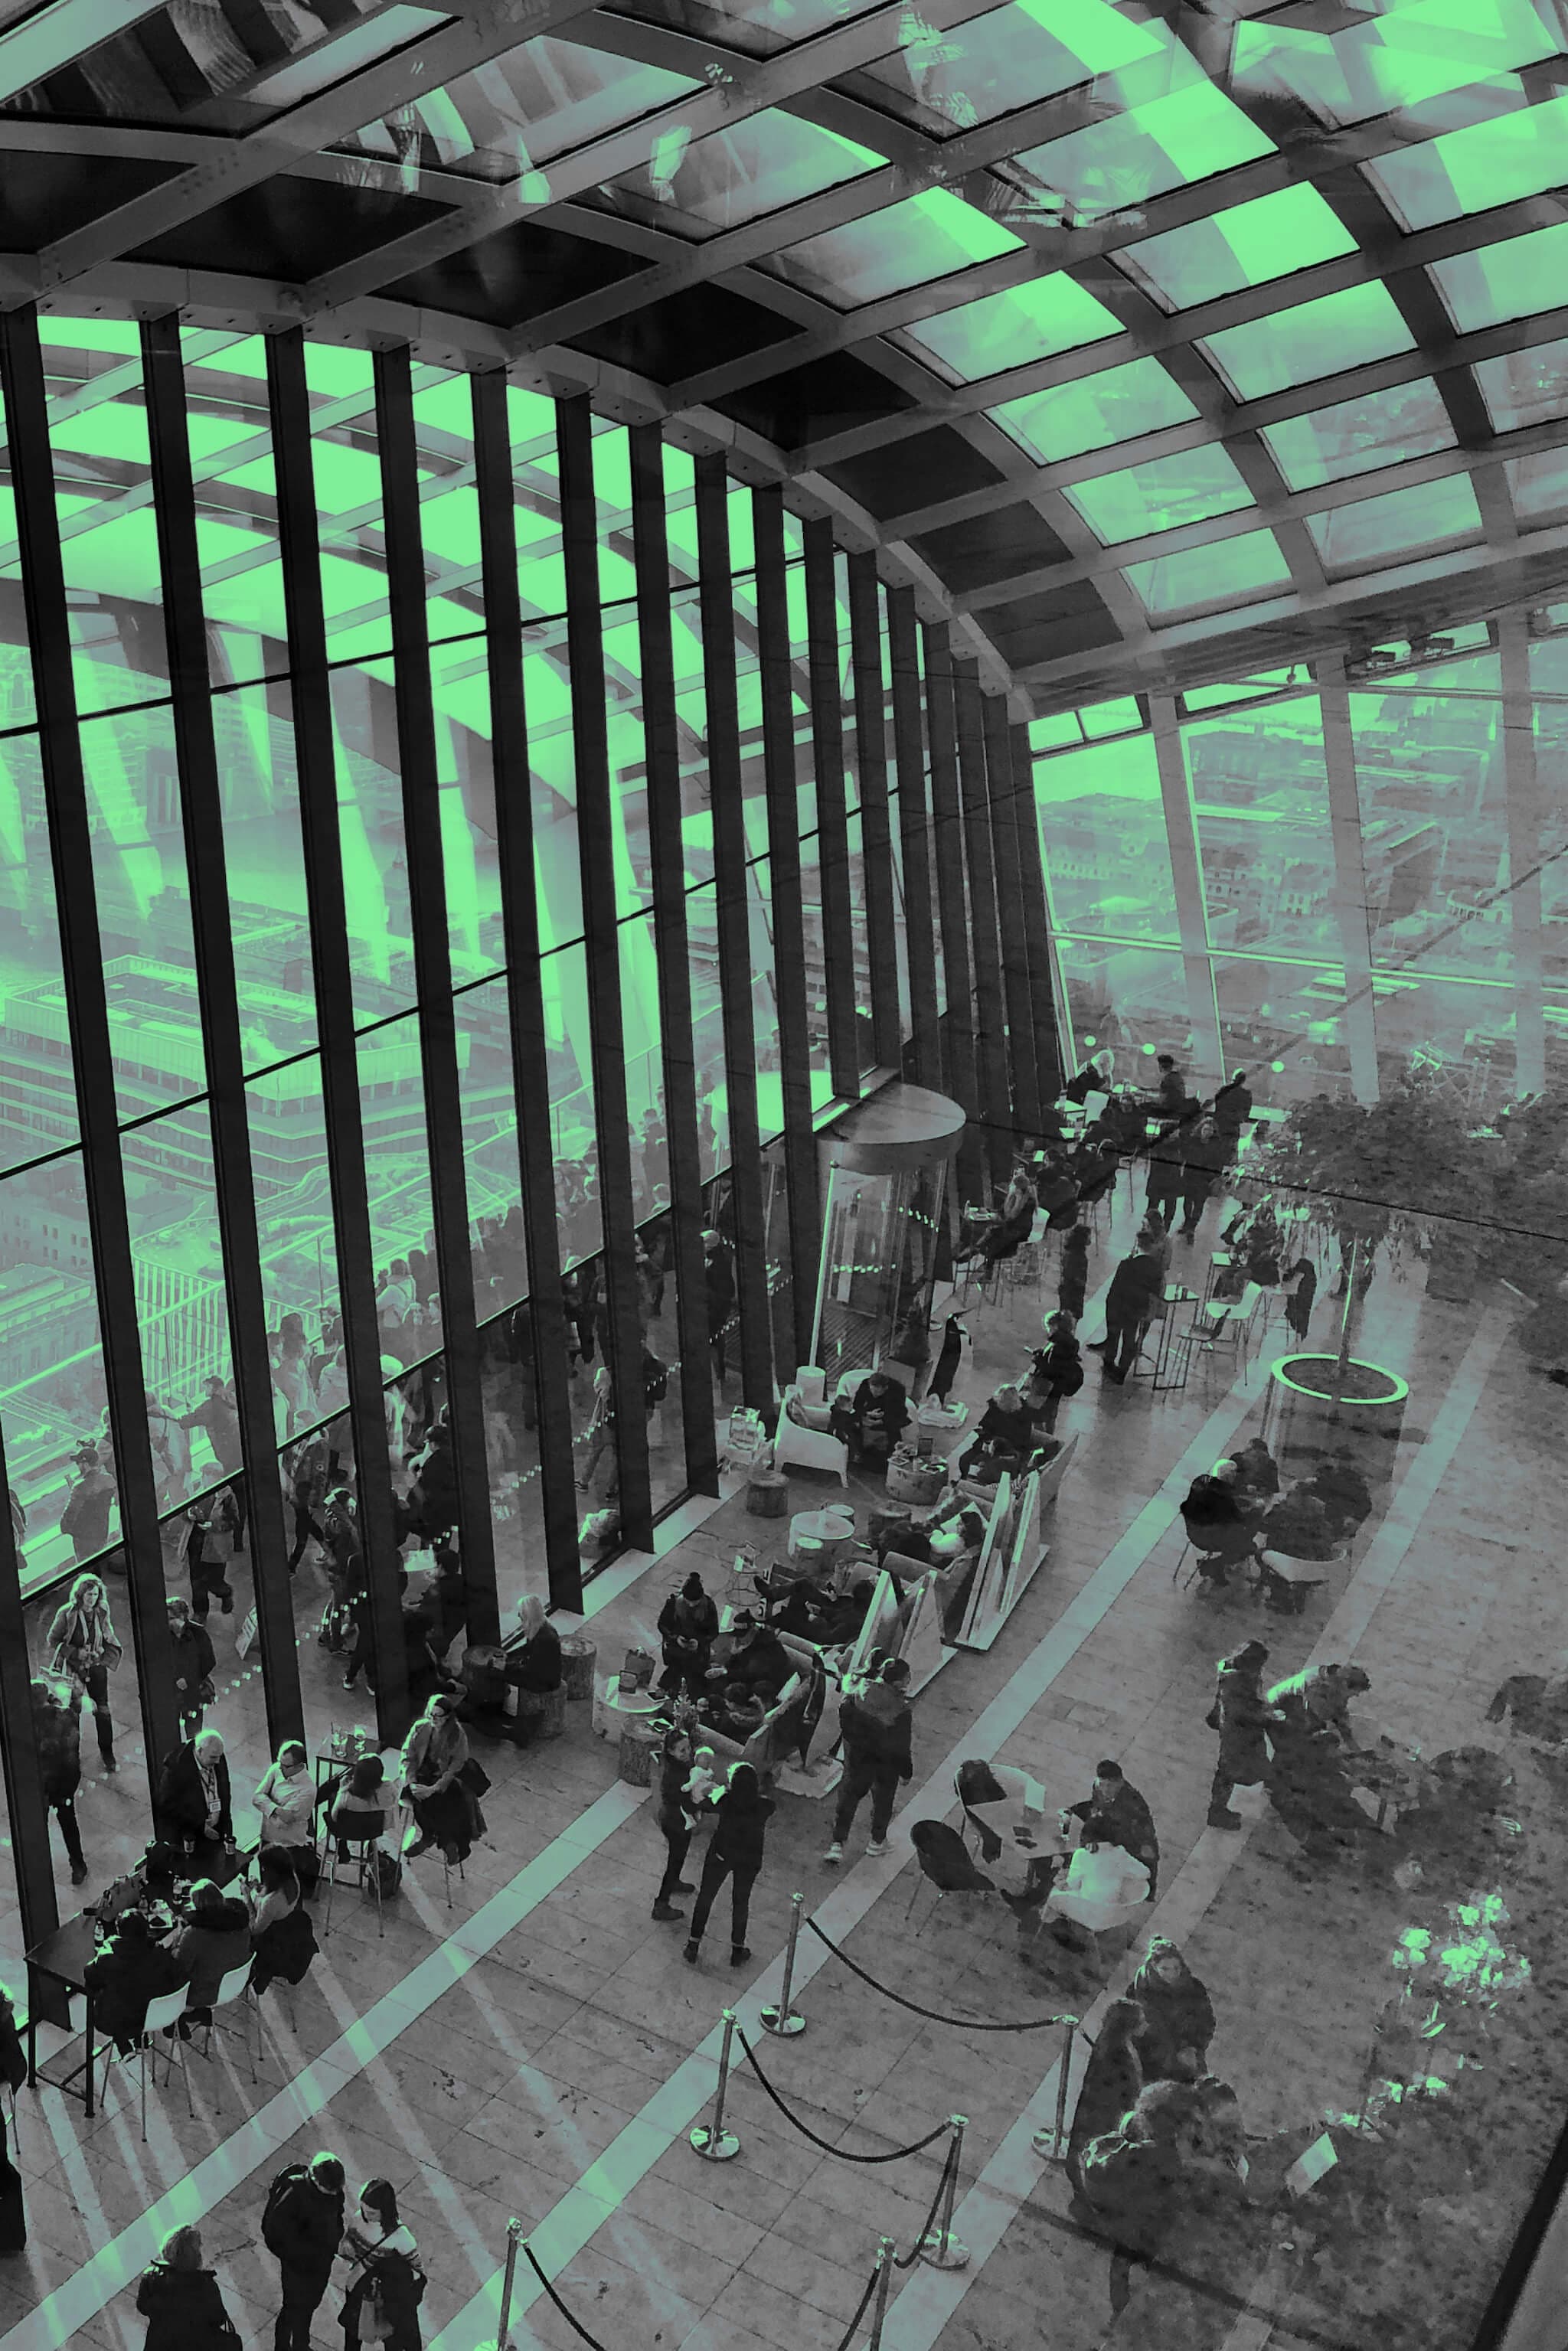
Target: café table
<point x="61" y="1960"/>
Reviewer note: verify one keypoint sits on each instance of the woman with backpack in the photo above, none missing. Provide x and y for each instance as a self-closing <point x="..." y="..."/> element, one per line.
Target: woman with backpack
<point x="388" y="2283"/>
<point x="86" y="1649"/>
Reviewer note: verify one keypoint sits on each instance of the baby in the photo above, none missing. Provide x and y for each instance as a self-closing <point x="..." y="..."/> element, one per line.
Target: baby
<point x="704" y="1779"/>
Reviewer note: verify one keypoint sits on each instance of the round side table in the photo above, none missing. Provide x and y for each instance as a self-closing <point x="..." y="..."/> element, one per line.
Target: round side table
<point x="613" y="1708"/>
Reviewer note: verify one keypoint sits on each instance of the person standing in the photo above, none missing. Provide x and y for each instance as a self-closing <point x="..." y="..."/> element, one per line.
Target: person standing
<point x="202" y="1564"/>
<point x="1128" y="1302"/>
<point x="85" y="1517"/>
<point x="1072" y="1281"/>
<point x="286" y="1798"/>
<point x="86" y="1650"/>
<point x="1204" y="1154"/>
<point x="675" y="1823"/>
<point x="877" y="1722"/>
<point x="1241" y="1715"/>
<point x="193" y="1807"/>
<point x="57" y="1734"/>
<point x="736" y="1853"/>
<point x="718" y="1281"/>
<point x="688" y="1628"/>
<point x="1058" y="1371"/>
<point x="217" y="1414"/>
<point x="388" y="2280"/>
<point x="302" y="2225"/>
<point x="1233" y="1108"/>
<point x="1111" y="2081"/>
<point x="1300" y="1304"/>
<point x="1178" y="2015"/>
<point x="181" y="2298"/>
<point x="194" y="1664"/>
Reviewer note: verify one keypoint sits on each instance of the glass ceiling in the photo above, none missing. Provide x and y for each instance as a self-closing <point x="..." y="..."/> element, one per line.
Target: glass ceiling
<point x="1045" y="255"/>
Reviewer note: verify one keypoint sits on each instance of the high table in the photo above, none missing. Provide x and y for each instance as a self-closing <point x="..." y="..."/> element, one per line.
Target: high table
<point x="63" y="1958"/>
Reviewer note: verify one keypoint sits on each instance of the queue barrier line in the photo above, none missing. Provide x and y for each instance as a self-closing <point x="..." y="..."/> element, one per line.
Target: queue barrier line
<point x="848" y="2155"/>
<point x="935" y="2016"/>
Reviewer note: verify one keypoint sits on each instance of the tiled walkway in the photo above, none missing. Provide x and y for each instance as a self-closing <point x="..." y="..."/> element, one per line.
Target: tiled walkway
<point x="548" y="2060"/>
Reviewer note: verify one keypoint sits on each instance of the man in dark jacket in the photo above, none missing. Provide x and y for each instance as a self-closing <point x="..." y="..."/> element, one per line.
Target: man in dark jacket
<point x="876" y="1721"/>
<point x="194" y="1664"/>
<point x="1117" y="1814"/>
<point x="759" y="1661"/>
<point x="1134" y="1285"/>
<point x="1241" y="1715"/>
<point x="718" y="1283"/>
<point x="129" y="1970"/>
<point x="57" y="1734"/>
<point x="873" y="1419"/>
<point x="1233" y="1107"/>
<point x="303" y="2226"/>
<point x="194" y="1805"/>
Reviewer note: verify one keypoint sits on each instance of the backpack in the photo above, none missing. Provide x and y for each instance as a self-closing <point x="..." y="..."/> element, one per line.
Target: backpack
<point x="389" y="1874"/>
<point x="274" y="2236"/>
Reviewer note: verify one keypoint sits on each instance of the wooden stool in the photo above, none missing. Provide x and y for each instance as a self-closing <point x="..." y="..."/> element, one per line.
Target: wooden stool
<point x="767" y="1494"/>
<point x="639" y="1745"/>
<point x="578" y="1656"/>
<point x="545" y="1709"/>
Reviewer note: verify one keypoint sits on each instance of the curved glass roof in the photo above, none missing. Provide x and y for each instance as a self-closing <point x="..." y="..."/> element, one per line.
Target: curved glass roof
<point x="1127" y="327"/>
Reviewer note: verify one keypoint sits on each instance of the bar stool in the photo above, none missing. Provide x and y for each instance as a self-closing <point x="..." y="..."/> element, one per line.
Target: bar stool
<point x="163" y="2018"/>
<point x="234" y="1989"/>
<point x="361" y="1833"/>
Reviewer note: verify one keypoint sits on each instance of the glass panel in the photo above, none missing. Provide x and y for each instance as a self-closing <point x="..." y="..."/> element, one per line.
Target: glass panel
<point x="37" y="1091"/>
<point x="52" y="1391"/>
<point x="1539" y="484"/>
<point x="1011" y="330"/>
<point x="510" y="1383"/>
<point x="1517" y="153"/>
<point x="756" y="27"/>
<point x="1124" y="1001"/>
<point x="287" y="1125"/>
<point x="181" y="1307"/>
<point x="1525" y="387"/>
<point x="1433" y="824"/>
<point x="1391" y="65"/>
<point x="657" y="1287"/>
<point x="103" y="498"/>
<point x="558" y="881"/>
<point x="564" y="977"/>
<point x="691" y="730"/>
<point x="501" y="123"/>
<point x="698" y="189"/>
<point x="1503" y="281"/>
<point x="816" y="960"/>
<point x="348" y="476"/>
<point x="1464" y="1029"/>
<point x="707" y="1031"/>
<point x="1116" y="405"/>
<point x="1207" y="575"/>
<point x="764" y="1002"/>
<point x="460" y="684"/>
<point x="370" y="825"/>
<point x="800" y="698"/>
<point x="236" y="506"/>
<point x="397" y="1170"/>
<point x="1313" y="339"/>
<point x="926" y="238"/>
<point x="1245" y="244"/>
<point x="448" y="508"/>
<point x="266" y="856"/>
<point x="1400" y="523"/>
<point x="1010" y="57"/>
<point x="1186" y="135"/>
<point x="1356" y="436"/>
<point x="1099" y="719"/>
<point x="1103" y="828"/>
<point x="1160" y="495"/>
<point x="490" y="1149"/>
<point x="1283" y="1023"/>
<point x="1259" y="794"/>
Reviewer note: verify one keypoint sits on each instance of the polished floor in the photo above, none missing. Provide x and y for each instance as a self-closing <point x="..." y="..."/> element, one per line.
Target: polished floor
<point x="541" y="2049"/>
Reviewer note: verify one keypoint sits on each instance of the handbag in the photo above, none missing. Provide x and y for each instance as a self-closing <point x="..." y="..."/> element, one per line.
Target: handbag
<point x="375" y="2324"/>
<point x="206" y="1689"/>
<point x="474" y="1778"/>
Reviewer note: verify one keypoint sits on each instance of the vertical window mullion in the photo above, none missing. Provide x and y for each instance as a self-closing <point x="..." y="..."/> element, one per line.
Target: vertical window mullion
<point x="1350" y="877"/>
<point x="947" y="843"/>
<point x="876" y="833"/>
<point x="87" y="1009"/>
<point x="833" y="826"/>
<point x="525" y="990"/>
<point x="1187" y="873"/>
<point x="789" y="935"/>
<point x="591" y="753"/>
<point x="195" y="751"/>
<point x="915" y="831"/>
<point x="433" y="982"/>
<point x="651" y="555"/>
<point x="726" y="793"/>
<point x="1002" y="798"/>
<point x="992" y="1048"/>
<point x="333" y="975"/>
<point x="1044" y="1001"/>
<point x="1526" y="808"/>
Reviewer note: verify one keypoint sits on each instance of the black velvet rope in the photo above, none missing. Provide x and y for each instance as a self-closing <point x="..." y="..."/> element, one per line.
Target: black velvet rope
<point x="907" y="2261"/>
<point x="896" y="2155"/>
<point x="848" y="2337"/>
<point x="961" y="2023"/>
<point x="575" y="2325"/>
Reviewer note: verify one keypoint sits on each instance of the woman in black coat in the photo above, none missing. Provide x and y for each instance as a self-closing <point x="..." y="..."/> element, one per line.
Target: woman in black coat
<point x="1111" y="2084"/>
<point x="1173" y="2040"/>
<point x="736" y="1853"/>
<point x="688" y="1628"/>
<point x="181" y="2300"/>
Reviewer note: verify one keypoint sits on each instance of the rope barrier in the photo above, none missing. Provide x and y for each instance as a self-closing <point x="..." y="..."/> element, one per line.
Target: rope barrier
<point x="575" y="2325"/>
<point x="848" y="2337"/>
<point x="895" y="2156"/>
<point x="960" y="2023"/>
<point x="907" y="2261"/>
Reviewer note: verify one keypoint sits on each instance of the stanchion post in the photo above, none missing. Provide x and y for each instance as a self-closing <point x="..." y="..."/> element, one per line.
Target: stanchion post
<point x="940" y="2246"/>
<point x="783" y="2019"/>
<point x="1052" y="2144"/>
<point x="710" y="2139"/>
<point x="509" y="2276"/>
<point x="884" y="2252"/>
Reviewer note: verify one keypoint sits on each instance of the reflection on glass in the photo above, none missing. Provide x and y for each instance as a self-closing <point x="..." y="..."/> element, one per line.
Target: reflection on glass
<point x="287" y="1126"/>
<point x="1096" y="410"/>
<point x="1512" y="280"/>
<point x="1103" y="830"/>
<point x="1032" y="321"/>
<point x="1525" y="387"/>
<point x="1539" y="484"/>
<point x="1245" y="244"/>
<point x="182" y="1305"/>
<point x="1403" y="522"/>
<point x="1515" y="153"/>
<point x="699" y="188"/>
<point x="1387" y="65"/>
<point x="1009" y="57"/>
<point x="52" y="1392"/>
<point x="265" y="853"/>
<point x="1123" y="999"/>
<point x="1321" y="337"/>
<point x="927" y="236"/>
<point x="1188" y="134"/>
<point x="1433" y="821"/>
<point x="1229" y="569"/>
<point x="490" y="1148"/>
<point x="1160" y="495"/>
<point x="1466" y="1026"/>
<point x="1356" y="436"/>
<point x="397" y="1169"/>
<point x="236" y="505"/>
<point x="369" y="826"/>
<point x="37" y="1103"/>
<point x="1259" y="793"/>
<point x="1284" y="1023"/>
<point x="348" y="522"/>
<point x="108" y="537"/>
<point x="564" y="977"/>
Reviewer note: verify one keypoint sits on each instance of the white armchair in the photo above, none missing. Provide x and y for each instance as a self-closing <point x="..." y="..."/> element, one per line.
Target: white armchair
<point x="804" y="1441"/>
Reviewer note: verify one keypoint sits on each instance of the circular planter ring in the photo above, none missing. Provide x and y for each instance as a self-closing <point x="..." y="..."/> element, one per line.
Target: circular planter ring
<point x="1303" y="1420"/>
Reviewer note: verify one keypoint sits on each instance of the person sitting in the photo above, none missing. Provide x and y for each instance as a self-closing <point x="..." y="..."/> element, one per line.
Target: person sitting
<point x="1007" y="1810"/>
<point x="1056" y="1190"/>
<point x="533" y="1668"/>
<point x="1005" y="1432"/>
<point x="688" y="1628"/>
<point x="282" y="1936"/>
<point x="1298" y="1525"/>
<point x="193" y="1806"/>
<point x="361" y="1796"/>
<point x="736" y="1713"/>
<point x="130" y="1970"/>
<point x="872" y="1420"/>
<point x="213" y="1941"/>
<point x="1256" y="1478"/>
<point x="433" y="1755"/>
<point x="1218" y="1527"/>
<point x="944" y="1540"/>
<point x="827" y="1619"/>
<point x="1101" y="1889"/>
<point x="1343" y="1492"/>
<point x="757" y="1659"/>
<point x="1115" y="1814"/>
<point x="1538" y="1704"/>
